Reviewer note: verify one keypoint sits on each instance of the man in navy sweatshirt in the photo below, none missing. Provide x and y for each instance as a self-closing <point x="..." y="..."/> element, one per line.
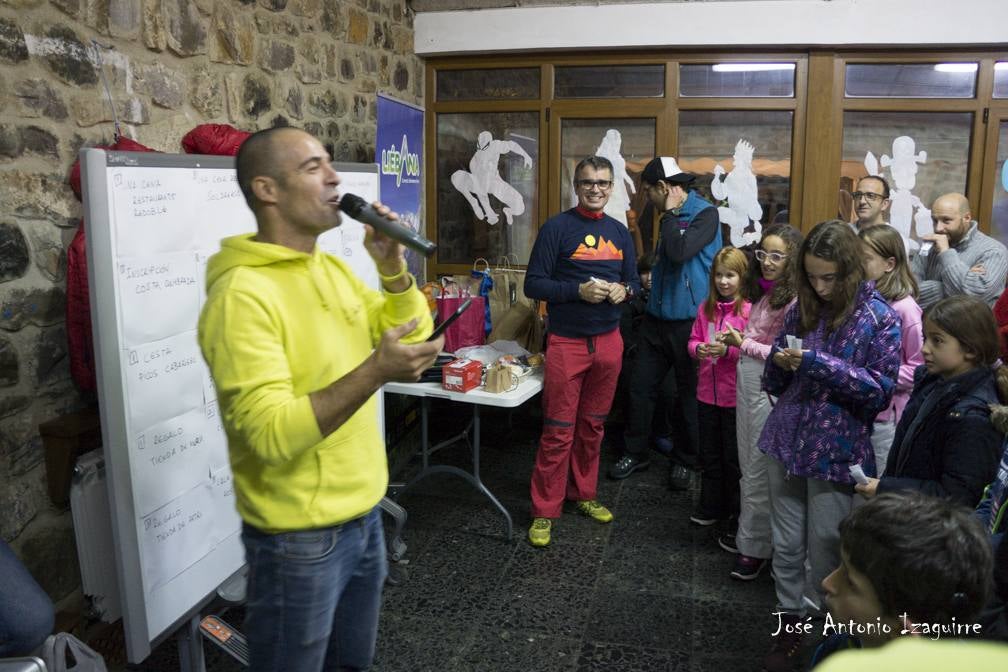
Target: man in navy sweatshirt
<point x="689" y="237"/>
<point x="583" y="265"/>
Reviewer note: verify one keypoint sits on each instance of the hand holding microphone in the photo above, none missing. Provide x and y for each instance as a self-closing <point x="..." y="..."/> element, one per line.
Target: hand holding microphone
<point x="359" y="209"/>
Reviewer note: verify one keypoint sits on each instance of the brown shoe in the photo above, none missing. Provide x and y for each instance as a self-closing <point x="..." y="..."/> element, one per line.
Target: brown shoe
<point x="786" y="652"/>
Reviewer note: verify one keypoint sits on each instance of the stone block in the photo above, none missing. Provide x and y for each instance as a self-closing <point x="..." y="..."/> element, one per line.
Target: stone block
<point x="186" y="35"/>
<point x="88" y="111"/>
<point x="15" y="259"/>
<point x="95" y="14"/>
<point x="38" y="195"/>
<point x="20" y="500"/>
<point x="50" y="554"/>
<point x="232" y="92"/>
<point x="328" y="102"/>
<point x="9" y="363"/>
<point x="124" y="18"/>
<point x="49" y="255"/>
<point x="367" y="86"/>
<point x="38" y="306"/>
<point x="153" y="21"/>
<point x="256" y="96"/>
<point x="51" y="362"/>
<point x="402" y="40"/>
<point x="306" y="8"/>
<point x="276" y="56"/>
<point x="67" y="57"/>
<point x="12" y="42"/>
<point x="206" y="91"/>
<point x="69" y="7"/>
<point x="346" y="70"/>
<point x="359" y="108"/>
<point x="165" y="87"/>
<point x="35" y="97"/>
<point x="295" y="102"/>
<point x="401" y="77"/>
<point x="21" y="448"/>
<point x="332" y="22"/>
<point x="357" y="26"/>
<point x="11" y="144"/>
<point x="274" y="5"/>
<point x="37" y="140"/>
<point x="234" y="36"/>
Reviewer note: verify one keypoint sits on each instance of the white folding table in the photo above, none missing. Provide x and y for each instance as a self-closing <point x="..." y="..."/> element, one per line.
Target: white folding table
<point x="530" y="386"/>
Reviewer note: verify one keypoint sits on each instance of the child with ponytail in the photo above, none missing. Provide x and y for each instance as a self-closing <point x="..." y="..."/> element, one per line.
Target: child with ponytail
<point x="885" y="263"/>
<point x="775" y="289"/>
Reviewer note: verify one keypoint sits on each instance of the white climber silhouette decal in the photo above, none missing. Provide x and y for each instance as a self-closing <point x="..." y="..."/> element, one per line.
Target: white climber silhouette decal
<point x="483" y="179"/>
<point x="904" y="206"/>
<point x="739" y="189"/>
<point x="619" y="197"/>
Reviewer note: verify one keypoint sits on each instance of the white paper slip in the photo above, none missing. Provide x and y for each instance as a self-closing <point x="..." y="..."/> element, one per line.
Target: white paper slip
<point x="858" y="474"/>
<point x="710" y="332"/>
<point x="797" y="343"/>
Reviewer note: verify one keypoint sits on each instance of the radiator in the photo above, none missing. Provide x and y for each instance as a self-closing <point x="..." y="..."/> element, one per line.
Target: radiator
<point x="92" y="519"/>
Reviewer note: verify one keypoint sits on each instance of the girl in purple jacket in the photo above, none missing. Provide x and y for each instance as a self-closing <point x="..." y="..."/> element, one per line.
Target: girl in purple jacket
<point x="830" y="388"/>
<point x="725" y="305"/>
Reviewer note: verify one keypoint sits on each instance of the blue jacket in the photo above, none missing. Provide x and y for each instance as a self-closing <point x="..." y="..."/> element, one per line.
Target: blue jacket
<point x="687" y="244"/>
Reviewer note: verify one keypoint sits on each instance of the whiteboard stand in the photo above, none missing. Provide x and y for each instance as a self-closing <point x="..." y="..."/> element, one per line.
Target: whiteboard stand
<point x="190" y="647"/>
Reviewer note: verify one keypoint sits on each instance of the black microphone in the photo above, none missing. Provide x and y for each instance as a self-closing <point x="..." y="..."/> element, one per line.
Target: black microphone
<point x="359" y="209"/>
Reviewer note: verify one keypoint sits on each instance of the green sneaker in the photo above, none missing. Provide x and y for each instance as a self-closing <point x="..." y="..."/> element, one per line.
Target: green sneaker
<point x="539" y="533"/>
<point x="594" y="510"/>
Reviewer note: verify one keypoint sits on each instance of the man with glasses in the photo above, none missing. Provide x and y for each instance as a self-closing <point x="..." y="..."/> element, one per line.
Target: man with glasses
<point x="583" y="265"/>
<point x="871" y="202"/>
<point x="689" y="237"/>
<point x="963" y="260"/>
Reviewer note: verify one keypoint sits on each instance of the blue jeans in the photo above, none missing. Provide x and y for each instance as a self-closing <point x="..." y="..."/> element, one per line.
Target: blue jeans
<point x="314" y="596"/>
<point x="26" y="612"/>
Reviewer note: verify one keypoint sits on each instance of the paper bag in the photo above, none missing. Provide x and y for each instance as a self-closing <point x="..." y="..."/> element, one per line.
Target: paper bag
<point x="500" y="378"/>
<point x="521" y="324"/>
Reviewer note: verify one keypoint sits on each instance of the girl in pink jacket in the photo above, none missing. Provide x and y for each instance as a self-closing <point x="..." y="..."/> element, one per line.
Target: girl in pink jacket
<point x="725" y="305"/>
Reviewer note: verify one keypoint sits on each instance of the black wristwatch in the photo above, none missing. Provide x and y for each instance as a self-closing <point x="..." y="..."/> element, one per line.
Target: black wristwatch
<point x="629" y="291"/>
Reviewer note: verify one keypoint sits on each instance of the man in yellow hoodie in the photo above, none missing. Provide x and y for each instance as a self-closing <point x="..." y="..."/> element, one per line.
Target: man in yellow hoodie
<point x="298" y="347"/>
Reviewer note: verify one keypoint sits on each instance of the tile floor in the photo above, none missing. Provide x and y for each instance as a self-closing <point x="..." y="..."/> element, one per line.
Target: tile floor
<point x="646" y="592"/>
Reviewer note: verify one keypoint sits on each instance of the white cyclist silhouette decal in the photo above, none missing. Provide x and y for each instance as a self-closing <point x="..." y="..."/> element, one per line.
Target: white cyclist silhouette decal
<point x="483" y="179"/>
<point x="739" y="189"/>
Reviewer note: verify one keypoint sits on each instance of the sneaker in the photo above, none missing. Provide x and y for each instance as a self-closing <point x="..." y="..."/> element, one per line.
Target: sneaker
<point x="662" y="445"/>
<point x="747" y="568"/>
<point x="680" y="477"/>
<point x="727" y="542"/>
<point x="592" y="509"/>
<point x="786" y="652"/>
<point x="702" y="519"/>
<point x="539" y="533"/>
<point x="626" y="465"/>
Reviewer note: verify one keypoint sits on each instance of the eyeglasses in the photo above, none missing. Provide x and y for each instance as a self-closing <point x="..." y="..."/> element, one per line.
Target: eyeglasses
<point x="775" y="257"/>
<point x="873" y="198"/>
<point x="589" y="184"/>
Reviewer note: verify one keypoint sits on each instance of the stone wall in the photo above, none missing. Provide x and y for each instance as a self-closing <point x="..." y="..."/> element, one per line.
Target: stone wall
<point x="169" y="65"/>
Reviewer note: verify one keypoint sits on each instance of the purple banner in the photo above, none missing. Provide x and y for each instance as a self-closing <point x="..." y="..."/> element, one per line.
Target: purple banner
<point x="399" y="152"/>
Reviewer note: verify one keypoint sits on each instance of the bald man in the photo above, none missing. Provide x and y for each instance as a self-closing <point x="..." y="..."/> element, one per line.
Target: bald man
<point x="963" y="260"/>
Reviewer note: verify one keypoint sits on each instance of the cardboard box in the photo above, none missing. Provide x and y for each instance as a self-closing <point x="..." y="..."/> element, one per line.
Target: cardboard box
<point x="461" y="375"/>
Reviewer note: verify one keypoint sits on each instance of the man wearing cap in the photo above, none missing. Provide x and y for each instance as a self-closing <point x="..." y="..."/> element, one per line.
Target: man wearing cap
<point x="689" y="237"/>
<point x="583" y="265"/>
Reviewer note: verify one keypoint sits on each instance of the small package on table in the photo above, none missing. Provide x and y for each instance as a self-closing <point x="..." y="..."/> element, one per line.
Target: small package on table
<point x="461" y="375"/>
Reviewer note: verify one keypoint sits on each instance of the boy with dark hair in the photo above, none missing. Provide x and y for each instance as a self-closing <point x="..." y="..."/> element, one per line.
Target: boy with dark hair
<point x="910" y="565"/>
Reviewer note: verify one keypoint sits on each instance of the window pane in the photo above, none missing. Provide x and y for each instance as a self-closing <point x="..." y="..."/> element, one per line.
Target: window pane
<point x="614" y="81"/>
<point x="917" y="80"/>
<point x="999" y="225"/>
<point x="1001" y="80"/>
<point x="487" y="171"/>
<point x="737" y="80"/>
<point x="922" y="155"/>
<point x="628" y="143"/>
<point x="496" y="84"/>
<point x="742" y="161"/>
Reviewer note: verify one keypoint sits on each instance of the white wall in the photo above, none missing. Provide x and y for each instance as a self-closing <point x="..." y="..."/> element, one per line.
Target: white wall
<point x="762" y="23"/>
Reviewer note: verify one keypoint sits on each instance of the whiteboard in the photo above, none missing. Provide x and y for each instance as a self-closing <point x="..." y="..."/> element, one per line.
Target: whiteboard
<point x="153" y="221"/>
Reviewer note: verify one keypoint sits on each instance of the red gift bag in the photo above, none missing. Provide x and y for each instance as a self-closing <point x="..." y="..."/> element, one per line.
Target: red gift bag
<point x="468" y="328"/>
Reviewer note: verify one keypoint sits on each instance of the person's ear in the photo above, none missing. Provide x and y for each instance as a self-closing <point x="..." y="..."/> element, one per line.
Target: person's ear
<point x="264" y="188"/>
<point x="890" y="264"/>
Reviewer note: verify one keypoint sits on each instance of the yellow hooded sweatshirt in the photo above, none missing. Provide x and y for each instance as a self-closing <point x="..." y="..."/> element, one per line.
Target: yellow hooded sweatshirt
<point x="279" y="324"/>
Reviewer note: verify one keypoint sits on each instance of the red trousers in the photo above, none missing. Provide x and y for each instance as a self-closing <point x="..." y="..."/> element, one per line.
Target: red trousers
<point x="580" y="381"/>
